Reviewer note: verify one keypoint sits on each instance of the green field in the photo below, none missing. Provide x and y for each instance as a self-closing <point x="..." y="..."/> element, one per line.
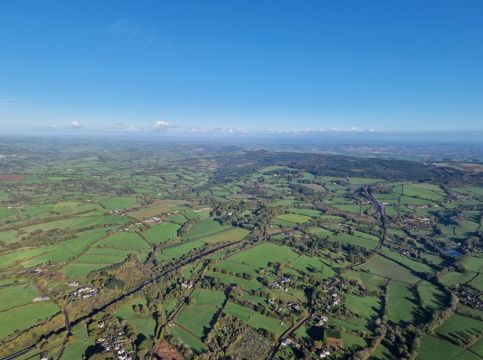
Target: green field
<point x="402" y="307"/>
<point x="160" y="233"/>
<point x="204" y="228"/>
<point x="196" y="319"/>
<point x="435" y="348"/>
<point x="231" y="234"/>
<point x="124" y="241"/>
<point x="379" y="265"/>
<point x="254" y="319"/>
<point x="262" y="255"/>
<point x="25" y="316"/>
<point x="120" y="202"/>
<point x="367" y="307"/>
<point x="293" y="218"/>
<point x="459" y="329"/>
<point x="142" y="321"/>
<point x="178" y="251"/>
<point x="16" y="295"/>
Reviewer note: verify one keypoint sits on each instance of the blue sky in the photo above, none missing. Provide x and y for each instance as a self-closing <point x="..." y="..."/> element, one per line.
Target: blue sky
<point x="241" y="66"/>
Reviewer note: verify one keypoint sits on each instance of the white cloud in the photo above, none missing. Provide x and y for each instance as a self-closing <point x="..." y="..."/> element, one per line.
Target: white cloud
<point x="218" y="130"/>
<point x="75" y="124"/>
<point x="353" y="129"/>
<point x="161" y="125"/>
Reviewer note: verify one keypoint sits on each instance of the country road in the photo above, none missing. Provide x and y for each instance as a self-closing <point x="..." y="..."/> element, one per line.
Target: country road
<point x="287" y="333"/>
<point x="69" y="324"/>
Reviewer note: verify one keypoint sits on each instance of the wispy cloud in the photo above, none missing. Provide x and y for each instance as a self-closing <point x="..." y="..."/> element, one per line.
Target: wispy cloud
<point x="132" y="32"/>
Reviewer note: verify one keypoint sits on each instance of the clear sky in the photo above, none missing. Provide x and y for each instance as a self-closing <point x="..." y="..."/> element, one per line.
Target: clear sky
<point x="241" y="65"/>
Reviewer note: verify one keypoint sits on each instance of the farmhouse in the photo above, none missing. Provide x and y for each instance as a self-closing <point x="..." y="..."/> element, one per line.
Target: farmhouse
<point x="86" y="292"/>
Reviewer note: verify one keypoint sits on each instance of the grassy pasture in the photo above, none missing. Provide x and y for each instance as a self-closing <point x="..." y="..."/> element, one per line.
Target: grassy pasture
<point x="402" y="305"/>
<point x="459" y="328"/>
<point x="207" y="297"/>
<point x="77" y="223"/>
<point x="236" y="267"/>
<point x="310" y="265"/>
<point x="119" y="202"/>
<point x="204" y="228"/>
<point x="370" y="281"/>
<point x="33" y="211"/>
<point x="57" y="253"/>
<point x="366" y="307"/>
<point x="176" y="219"/>
<point x="25" y="316"/>
<point x="77" y="346"/>
<point x="355" y="240"/>
<point x="431" y="297"/>
<point x="254" y="319"/>
<point x="4" y="195"/>
<point x="379" y="265"/>
<point x="178" y="251"/>
<point x="424" y="191"/>
<point x="235" y="280"/>
<point x="452" y="278"/>
<point x="435" y="348"/>
<point x="199" y="214"/>
<point x="306" y="212"/>
<point x="283" y="202"/>
<point x="190" y="340"/>
<point x="80" y="270"/>
<point x="294" y="218"/>
<point x="414" y="265"/>
<point x="478" y="347"/>
<point x="352" y="341"/>
<point x="231" y="234"/>
<point x="196" y="319"/>
<point x="9" y="236"/>
<point x="470" y="190"/>
<point x="156" y="209"/>
<point x="160" y="233"/>
<point x="142" y="322"/>
<point x="320" y="231"/>
<point x="16" y="295"/>
<point x="364" y="181"/>
<point x="473" y="263"/>
<point x="477" y="282"/>
<point x="124" y="241"/>
<point x="262" y="255"/>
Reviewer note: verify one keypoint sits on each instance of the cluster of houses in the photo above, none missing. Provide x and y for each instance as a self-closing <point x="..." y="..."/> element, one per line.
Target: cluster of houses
<point x="280" y="283"/>
<point x="332" y="288"/>
<point x="116" y="346"/>
<point x="290" y="342"/>
<point x="320" y="322"/>
<point x="418" y="223"/>
<point x="469" y="299"/>
<point x="85" y="292"/>
<point x="120" y="212"/>
<point x="188" y="284"/>
<point x="323" y="353"/>
<point x="152" y="220"/>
